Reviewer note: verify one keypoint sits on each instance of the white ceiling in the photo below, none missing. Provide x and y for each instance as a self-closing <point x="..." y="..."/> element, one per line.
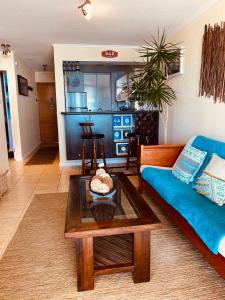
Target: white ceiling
<point x="32" y="26"/>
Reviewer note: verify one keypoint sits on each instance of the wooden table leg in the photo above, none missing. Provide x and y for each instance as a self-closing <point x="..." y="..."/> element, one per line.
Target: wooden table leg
<point x="141" y="257"/>
<point x="85" y="264"/>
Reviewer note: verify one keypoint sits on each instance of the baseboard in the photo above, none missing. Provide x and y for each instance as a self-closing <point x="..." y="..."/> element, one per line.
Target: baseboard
<point x="27" y="156"/>
<point x="75" y="163"/>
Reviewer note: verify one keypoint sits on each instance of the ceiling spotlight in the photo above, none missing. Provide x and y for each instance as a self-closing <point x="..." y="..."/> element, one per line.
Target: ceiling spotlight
<point x="86" y="9"/>
<point x="5" y="49"/>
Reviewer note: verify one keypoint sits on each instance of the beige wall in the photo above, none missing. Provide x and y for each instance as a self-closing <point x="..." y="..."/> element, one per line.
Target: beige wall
<point x="28" y="112"/>
<point x="80" y="53"/>
<point x="24" y="110"/>
<point x="191" y="115"/>
<point x="44" y="77"/>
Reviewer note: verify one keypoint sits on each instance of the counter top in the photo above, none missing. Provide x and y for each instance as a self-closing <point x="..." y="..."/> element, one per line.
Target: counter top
<point x="101" y="112"/>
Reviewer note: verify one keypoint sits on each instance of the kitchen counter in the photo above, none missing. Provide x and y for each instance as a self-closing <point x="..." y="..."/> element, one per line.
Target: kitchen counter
<point x="101" y="112"/>
<point x="114" y="125"/>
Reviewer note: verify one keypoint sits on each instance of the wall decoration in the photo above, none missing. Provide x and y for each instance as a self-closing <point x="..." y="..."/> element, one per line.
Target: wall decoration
<point x="109" y="54"/>
<point x="127" y="120"/>
<point x="212" y="75"/>
<point x="75" y="82"/>
<point x="117" y="134"/>
<point x="125" y="133"/>
<point x="22" y="85"/>
<point x="177" y="67"/>
<point x="117" y="120"/>
<point x="121" y="149"/>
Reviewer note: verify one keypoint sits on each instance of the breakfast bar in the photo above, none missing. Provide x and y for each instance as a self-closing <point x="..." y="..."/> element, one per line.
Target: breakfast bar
<point x="115" y="125"/>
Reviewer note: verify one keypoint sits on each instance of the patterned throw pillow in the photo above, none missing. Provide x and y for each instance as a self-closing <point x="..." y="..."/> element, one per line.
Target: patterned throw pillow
<point x="188" y="163"/>
<point x="216" y="167"/>
<point x="212" y="188"/>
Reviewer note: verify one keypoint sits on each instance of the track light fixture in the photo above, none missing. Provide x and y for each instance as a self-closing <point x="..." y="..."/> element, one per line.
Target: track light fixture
<point x="5" y="49"/>
<point x="86" y="9"/>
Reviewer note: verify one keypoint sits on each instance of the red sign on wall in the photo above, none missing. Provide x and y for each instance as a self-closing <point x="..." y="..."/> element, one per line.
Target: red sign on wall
<point x="109" y="53"/>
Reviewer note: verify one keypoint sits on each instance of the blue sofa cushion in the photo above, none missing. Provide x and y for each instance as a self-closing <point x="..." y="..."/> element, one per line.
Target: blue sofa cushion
<point x="206" y="217"/>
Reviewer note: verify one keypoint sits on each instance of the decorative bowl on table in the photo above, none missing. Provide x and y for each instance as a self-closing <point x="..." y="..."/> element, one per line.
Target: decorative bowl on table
<point x="101" y="185"/>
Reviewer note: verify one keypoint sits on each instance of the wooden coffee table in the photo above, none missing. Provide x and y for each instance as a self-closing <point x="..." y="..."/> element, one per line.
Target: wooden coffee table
<point x="111" y="235"/>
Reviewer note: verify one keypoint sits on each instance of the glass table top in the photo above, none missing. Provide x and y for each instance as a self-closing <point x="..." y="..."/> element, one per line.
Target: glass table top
<point x="103" y="209"/>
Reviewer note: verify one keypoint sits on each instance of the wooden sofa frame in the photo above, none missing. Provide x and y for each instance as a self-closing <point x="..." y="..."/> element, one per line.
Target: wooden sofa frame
<point x="166" y="155"/>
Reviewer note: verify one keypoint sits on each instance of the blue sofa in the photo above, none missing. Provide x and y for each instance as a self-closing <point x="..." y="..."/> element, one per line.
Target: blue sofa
<point x="200" y="219"/>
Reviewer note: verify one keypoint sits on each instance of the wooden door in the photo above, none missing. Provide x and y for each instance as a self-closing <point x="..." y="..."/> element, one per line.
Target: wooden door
<point x="47" y="113"/>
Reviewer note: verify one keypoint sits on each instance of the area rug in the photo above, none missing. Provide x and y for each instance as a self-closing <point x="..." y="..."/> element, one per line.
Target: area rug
<point x="43" y="156"/>
<point x="40" y="264"/>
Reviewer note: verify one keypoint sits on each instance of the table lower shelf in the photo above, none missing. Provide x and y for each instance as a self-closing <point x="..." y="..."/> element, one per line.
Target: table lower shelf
<point x="113" y="254"/>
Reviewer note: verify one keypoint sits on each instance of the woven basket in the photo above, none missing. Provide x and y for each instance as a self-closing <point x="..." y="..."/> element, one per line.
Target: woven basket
<point x="3" y="184"/>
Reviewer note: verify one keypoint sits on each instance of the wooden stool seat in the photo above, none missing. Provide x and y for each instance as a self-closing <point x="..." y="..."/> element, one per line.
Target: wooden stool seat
<point x="94" y="136"/>
<point x="96" y="142"/>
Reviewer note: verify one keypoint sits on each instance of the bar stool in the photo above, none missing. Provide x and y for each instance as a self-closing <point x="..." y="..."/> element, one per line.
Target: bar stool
<point x="133" y="147"/>
<point x="96" y="142"/>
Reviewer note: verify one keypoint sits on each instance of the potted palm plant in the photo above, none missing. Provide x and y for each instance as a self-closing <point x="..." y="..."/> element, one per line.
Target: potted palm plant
<point x="149" y="85"/>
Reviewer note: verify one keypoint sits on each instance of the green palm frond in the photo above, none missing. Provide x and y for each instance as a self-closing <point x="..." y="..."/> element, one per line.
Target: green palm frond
<point x="150" y="85"/>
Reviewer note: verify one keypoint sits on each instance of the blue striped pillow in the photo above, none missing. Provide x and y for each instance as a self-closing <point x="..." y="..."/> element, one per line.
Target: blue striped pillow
<point x="188" y="163"/>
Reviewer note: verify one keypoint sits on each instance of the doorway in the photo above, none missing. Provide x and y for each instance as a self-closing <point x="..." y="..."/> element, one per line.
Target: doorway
<point x="7" y="113"/>
<point x="47" y="114"/>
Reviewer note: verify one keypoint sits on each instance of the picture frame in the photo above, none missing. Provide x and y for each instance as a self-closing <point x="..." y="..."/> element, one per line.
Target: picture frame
<point x="117" y="134"/>
<point x="117" y="120"/>
<point x="125" y="133"/>
<point x="22" y="85"/>
<point x="127" y="120"/>
<point x="121" y="149"/>
<point x="177" y="68"/>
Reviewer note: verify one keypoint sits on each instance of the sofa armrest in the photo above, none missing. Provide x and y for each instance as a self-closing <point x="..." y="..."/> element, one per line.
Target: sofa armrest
<point x="160" y="155"/>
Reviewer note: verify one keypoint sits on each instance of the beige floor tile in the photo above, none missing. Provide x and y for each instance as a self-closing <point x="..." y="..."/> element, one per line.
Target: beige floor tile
<point x="46" y="190"/>
<point x="8" y="225"/>
<point x="13" y="201"/>
<point x="8" y="212"/>
<point x="64" y="179"/>
<point x="72" y="171"/>
<point x="63" y="188"/>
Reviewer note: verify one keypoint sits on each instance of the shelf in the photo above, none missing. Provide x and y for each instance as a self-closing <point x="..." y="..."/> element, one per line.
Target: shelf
<point x="113" y="254"/>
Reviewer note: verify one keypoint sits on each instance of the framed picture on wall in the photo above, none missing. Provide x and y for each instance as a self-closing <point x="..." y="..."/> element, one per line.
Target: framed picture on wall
<point x="177" y="68"/>
<point x="22" y="85"/>
<point x="121" y="149"/>
<point x="117" y="134"/>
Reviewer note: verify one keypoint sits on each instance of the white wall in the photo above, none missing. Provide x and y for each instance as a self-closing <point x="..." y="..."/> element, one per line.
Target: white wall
<point x="44" y="77"/>
<point x="24" y="110"/>
<point x="190" y="114"/>
<point x="28" y="112"/>
<point x="4" y="166"/>
<point x="80" y="53"/>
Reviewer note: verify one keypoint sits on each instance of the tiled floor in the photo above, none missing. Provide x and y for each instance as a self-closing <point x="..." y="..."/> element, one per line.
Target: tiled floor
<point x="25" y="181"/>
